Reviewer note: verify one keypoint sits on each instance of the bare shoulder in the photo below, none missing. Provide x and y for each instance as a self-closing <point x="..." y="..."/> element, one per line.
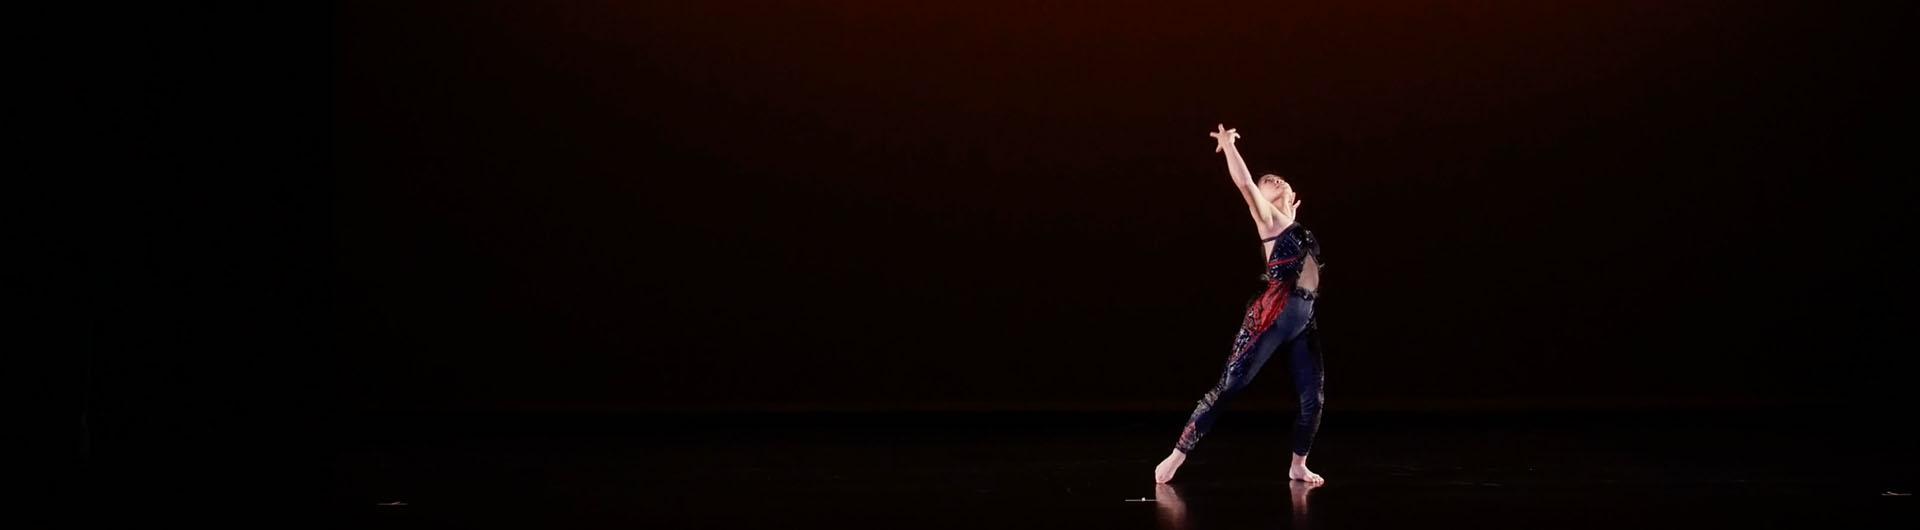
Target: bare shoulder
<point x="1267" y="222"/>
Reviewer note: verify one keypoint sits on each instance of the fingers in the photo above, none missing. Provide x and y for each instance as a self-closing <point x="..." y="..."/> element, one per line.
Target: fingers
<point x="1224" y="135"/>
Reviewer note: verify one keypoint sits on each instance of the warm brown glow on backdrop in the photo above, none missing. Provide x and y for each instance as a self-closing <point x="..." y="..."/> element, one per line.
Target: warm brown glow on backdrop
<point x="603" y="206"/>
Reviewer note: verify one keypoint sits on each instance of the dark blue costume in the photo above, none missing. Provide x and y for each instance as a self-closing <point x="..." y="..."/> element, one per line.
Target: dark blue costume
<point x="1280" y="318"/>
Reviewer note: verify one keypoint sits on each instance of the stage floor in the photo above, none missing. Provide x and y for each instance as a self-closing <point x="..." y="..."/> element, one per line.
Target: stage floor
<point x="1094" y="471"/>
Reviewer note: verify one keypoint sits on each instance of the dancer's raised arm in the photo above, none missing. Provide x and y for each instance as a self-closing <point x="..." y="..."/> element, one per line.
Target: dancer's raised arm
<point x="1269" y="218"/>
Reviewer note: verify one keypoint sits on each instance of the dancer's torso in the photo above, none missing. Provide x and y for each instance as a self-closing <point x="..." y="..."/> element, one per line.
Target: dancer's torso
<point x="1294" y="256"/>
<point x="1309" y="275"/>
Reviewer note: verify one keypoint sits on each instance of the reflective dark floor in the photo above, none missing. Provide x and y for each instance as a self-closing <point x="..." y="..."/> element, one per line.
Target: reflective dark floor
<point x="1094" y="471"/>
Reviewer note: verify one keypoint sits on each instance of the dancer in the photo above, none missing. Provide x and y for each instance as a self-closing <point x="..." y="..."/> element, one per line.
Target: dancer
<point x="1279" y="319"/>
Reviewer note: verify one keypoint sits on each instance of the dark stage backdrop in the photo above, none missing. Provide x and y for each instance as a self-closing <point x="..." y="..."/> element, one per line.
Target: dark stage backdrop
<point x="641" y="206"/>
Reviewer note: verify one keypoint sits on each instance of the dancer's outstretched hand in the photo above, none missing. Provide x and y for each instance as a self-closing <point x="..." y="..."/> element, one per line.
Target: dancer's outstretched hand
<point x="1223" y="137"/>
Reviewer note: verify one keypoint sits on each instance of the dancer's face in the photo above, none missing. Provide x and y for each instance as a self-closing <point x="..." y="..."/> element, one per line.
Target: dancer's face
<point x="1275" y="189"/>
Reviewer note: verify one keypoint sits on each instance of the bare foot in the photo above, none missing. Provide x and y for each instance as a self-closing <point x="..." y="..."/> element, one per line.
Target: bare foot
<point x="1164" y="472"/>
<point x="1300" y="472"/>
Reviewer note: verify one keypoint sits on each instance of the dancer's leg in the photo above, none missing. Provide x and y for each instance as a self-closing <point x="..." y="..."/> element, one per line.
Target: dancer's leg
<point x="1306" y="365"/>
<point x="1239" y="372"/>
<point x="1235" y="378"/>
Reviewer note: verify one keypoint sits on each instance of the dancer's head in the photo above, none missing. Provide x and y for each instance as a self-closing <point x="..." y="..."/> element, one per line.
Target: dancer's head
<point x="1276" y="190"/>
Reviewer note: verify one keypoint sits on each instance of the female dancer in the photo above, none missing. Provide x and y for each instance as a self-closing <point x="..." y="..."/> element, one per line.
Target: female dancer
<point x="1279" y="319"/>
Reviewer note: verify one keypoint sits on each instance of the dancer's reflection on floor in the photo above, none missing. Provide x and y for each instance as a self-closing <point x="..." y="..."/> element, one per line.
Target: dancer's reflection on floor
<point x="1172" y="511"/>
<point x="1299" y="489"/>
